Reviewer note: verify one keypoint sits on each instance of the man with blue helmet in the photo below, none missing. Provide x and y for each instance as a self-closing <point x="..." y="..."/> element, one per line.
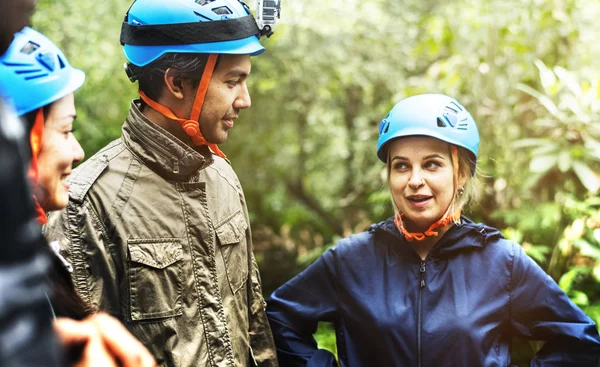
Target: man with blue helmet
<point x="157" y="227"/>
<point x="429" y="287"/>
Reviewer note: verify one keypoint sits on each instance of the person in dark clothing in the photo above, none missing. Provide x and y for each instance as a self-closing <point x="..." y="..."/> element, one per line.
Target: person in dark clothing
<point x="42" y="83"/>
<point x="428" y="287"/>
<point x="26" y="335"/>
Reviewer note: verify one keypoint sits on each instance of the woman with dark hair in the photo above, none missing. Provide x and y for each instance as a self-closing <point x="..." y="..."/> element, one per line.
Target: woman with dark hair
<point x="40" y="83"/>
<point x="428" y="287"/>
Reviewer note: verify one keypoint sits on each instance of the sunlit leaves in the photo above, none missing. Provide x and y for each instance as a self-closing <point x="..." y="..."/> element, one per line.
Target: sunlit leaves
<point x="542" y="98"/>
<point x="587" y="176"/>
<point x="542" y="164"/>
<point x="567" y="126"/>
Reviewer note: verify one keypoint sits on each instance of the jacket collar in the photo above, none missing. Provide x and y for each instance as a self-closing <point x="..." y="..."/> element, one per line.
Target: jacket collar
<point x="460" y="237"/>
<point x="160" y="150"/>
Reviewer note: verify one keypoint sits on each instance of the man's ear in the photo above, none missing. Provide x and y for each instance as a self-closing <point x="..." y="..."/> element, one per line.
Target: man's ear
<point x="173" y="83"/>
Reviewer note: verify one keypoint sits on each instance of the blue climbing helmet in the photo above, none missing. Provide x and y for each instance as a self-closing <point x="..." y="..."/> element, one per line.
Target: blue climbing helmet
<point x="153" y="28"/>
<point x="434" y="115"/>
<point x="34" y="72"/>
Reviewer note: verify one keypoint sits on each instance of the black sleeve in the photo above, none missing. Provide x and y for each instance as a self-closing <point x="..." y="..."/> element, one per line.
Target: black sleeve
<point x="26" y="335"/>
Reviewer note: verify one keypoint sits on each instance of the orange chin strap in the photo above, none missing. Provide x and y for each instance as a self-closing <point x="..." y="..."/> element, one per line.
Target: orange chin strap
<point x="446" y="219"/>
<point x="191" y="126"/>
<point x="35" y="140"/>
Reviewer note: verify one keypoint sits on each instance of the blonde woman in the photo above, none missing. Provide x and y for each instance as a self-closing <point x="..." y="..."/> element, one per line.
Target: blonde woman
<point x="428" y="287"/>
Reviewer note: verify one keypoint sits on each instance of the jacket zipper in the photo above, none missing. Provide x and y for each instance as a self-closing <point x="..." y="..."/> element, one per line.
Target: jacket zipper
<point x="419" y="316"/>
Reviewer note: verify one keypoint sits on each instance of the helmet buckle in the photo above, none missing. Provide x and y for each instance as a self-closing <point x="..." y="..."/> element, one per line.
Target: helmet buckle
<point x="130" y="73"/>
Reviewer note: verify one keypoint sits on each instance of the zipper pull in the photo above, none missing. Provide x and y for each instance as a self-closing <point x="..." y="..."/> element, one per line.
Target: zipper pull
<point x="176" y="165"/>
<point x="55" y="246"/>
<point x="422" y="270"/>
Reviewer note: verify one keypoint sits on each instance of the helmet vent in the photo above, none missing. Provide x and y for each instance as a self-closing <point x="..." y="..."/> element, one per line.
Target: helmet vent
<point x="449" y="116"/>
<point x="28" y="71"/>
<point x="221" y="10"/>
<point x="61" y="62"/>
<point x="17" y="64"/>
<point x="202" y="16"/>
<point x="36" y="76"/>
<point x="29" y="48"/>
<point x="384" y="127"/>
<point x="456" y="105"/>
<point x="48" y="60"/>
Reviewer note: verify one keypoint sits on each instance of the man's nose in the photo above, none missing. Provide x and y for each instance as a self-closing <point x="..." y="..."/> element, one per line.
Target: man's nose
<point x="243" y="100"/>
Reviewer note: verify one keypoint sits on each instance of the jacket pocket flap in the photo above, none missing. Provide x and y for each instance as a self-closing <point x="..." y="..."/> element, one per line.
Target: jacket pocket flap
<point x="158" y="253"/>
<point x="233" y="229"/>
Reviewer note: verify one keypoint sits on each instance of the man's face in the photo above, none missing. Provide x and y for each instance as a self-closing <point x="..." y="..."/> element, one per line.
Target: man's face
<point x="227" y="94"/>
<point x="14" y="15"/>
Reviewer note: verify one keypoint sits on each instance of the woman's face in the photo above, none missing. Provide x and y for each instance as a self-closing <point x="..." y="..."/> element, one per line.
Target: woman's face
<point x="59" y="150"/>
<point x="421" y="179"/>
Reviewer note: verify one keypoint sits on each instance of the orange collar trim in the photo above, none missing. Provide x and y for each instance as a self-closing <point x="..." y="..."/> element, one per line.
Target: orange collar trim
<point x="430" y="232"/>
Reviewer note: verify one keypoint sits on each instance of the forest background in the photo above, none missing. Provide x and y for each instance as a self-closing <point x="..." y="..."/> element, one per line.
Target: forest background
<point x="528" y="71"/>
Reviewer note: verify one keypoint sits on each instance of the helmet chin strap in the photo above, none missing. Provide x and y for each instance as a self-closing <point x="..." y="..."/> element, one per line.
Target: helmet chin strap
<point x="446" y="219"/>
<point x="191" y="125"/>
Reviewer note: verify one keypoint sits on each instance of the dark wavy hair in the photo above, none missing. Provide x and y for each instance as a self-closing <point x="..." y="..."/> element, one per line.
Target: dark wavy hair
<point x="185" y="65"/>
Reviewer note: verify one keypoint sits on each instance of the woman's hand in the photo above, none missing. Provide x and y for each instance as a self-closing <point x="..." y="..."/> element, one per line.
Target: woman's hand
<point x="101" y="341"/>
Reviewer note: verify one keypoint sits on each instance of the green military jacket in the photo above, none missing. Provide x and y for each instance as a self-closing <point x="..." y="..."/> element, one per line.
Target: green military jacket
<point x="158" y="236"/>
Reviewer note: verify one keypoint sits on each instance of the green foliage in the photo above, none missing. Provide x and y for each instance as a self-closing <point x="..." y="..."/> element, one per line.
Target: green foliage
<point x="580" y="244"/>
<point x="305" y="151"/>
<point x="325" y="337"/>
<point x="568" y="142"/>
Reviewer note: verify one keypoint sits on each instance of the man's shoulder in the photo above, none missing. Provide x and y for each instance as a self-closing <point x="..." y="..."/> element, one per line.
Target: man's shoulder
<point x="225" y="171"/>
<point x="86" y="174"/>
<point x="223" y="164"/>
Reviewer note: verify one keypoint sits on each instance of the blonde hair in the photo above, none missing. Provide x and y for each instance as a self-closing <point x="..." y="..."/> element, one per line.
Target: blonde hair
<point x="466" y="168"/>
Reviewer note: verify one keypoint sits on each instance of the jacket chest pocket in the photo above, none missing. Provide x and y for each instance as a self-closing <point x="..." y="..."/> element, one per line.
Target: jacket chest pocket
<point x="231" y="236"/>
<point x="154" y="278"/>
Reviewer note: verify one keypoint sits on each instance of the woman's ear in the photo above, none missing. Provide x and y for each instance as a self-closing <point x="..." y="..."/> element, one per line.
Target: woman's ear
<point x="174" y="84"/>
